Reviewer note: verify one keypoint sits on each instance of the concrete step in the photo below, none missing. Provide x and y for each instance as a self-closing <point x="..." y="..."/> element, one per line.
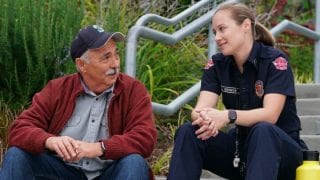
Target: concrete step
<point x="206" y="175"/>
<point x="310" y="106"/>
<point x="310" y="125"/>
<point x="312" y="141"/>
<point x="307" y="90"/>
<point x="214" y="178"/>
<point x="209" y="175"/>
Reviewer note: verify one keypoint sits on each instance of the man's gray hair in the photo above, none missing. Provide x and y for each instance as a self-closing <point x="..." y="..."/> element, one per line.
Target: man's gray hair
<point x="84" y="57"/>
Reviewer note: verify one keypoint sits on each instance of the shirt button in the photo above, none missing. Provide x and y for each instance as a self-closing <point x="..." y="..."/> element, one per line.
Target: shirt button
<point x="92" y="120"/>
<point x="97" y="99"/>
<point x="87" y="163"/>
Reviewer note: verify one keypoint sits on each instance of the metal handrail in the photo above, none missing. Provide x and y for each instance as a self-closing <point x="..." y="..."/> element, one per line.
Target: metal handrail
<point x="316" y="65"/>
<point x="142" y="21"/>
<point x="286" y="24"/>
<point x="139" y="30"/>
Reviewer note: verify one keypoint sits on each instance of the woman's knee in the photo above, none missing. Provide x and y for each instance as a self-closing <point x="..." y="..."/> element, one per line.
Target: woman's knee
<point x="263" y="127"/>
<point x="185" y="129"/>
<point x="263" y="132"/>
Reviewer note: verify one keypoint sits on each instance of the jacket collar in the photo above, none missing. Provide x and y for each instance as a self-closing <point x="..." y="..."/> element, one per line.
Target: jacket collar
<point x="119" y="85"/>
<point x="77" y="83"/>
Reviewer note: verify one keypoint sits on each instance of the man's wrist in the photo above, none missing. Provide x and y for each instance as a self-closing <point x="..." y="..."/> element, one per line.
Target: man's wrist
<point x="103" y="149"/>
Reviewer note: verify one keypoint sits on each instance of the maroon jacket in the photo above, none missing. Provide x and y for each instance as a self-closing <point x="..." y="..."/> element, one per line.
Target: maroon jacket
<point x="130" y="118"/>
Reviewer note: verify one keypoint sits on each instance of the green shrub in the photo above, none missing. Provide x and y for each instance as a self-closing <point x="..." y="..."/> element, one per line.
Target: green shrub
<point x="34" y="45"/>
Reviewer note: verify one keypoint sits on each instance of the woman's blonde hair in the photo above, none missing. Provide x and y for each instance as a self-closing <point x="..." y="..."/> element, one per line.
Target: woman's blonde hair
<point x="240" y="12"/>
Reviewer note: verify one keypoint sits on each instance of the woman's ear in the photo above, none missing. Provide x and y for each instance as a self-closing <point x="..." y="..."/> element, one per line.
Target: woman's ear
<point x="247" y="24"/>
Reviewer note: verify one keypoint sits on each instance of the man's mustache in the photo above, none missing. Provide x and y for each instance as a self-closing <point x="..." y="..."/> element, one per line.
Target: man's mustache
<point x="112" y="71"/>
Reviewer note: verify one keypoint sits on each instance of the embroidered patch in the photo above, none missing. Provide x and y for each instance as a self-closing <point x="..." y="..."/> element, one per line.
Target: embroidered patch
<point x="280" y="63"/>
<point x="98" y="28"/>
<point x="259" y="88"/>
<point x="209" y="64"/>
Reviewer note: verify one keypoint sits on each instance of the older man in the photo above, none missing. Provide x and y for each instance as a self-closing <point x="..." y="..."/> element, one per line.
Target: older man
<point x="95" y="124"/>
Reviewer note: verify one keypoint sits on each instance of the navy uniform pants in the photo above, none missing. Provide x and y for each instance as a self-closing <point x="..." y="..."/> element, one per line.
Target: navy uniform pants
<point x="270" y="154"/>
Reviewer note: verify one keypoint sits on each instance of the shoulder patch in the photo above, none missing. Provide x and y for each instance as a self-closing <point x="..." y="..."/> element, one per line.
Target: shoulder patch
<point x="209" y="64"/>
<point x="280" y="63"/>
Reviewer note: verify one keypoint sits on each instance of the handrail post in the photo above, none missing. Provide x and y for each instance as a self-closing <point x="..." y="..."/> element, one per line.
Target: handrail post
<point x="212" y="47"/>
<point x="317" y="46"/>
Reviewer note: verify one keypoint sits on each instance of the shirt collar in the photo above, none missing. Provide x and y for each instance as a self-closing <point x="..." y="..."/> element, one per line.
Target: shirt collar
<point x="253" y="56"/>
<point x="88" y="91"/>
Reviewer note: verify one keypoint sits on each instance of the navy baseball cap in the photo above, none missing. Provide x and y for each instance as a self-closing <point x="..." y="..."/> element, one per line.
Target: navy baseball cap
<point x="92" y="37"/>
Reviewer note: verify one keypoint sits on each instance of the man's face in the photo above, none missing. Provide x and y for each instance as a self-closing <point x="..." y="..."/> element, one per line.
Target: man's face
<point x="102" y="70"/>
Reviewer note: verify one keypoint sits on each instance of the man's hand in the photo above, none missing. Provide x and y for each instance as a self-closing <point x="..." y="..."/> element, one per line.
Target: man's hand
<point x="66" y="147"/>
<point x="89" y="150"/>
<point x="73" y="150"/>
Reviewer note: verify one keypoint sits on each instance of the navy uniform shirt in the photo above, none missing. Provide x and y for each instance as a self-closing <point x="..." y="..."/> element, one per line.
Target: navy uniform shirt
<point x="265" y="71"/>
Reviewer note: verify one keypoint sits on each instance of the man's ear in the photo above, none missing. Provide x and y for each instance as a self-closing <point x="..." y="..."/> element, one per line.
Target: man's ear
<point x="81" y="65"/>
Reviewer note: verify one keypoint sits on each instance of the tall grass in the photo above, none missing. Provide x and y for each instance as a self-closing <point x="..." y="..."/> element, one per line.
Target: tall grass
<point x="167" y="71"/>
<point x="34" y="45"/>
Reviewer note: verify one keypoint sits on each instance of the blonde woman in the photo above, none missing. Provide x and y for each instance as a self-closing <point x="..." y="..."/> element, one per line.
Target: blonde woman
<point x="257" y="88"/>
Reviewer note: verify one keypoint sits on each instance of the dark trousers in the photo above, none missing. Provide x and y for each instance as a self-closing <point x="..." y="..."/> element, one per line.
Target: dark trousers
<point x="270" y="154"/>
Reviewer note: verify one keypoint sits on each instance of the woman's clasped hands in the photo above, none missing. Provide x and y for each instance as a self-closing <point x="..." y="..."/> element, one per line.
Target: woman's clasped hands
<point x="210" y="121"/>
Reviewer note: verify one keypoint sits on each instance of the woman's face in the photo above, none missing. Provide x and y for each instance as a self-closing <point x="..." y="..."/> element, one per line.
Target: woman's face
<point x="230" y="36"/>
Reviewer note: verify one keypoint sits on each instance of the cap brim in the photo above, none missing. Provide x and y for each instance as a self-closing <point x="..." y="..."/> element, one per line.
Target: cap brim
<point x="116" y="36"/>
